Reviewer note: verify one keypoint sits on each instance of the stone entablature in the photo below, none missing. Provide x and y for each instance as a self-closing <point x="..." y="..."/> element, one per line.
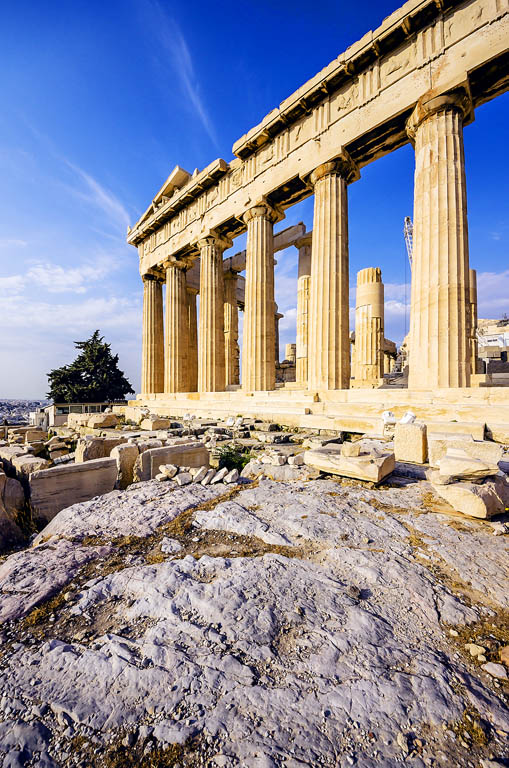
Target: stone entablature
<point x="359" y="103"/>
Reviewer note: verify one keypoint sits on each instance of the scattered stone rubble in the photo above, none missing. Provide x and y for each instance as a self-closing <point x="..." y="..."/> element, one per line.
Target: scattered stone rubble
<point x="95" y="454"/>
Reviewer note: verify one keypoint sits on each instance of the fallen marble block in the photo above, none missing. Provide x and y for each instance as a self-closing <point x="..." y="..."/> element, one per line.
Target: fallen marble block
<point x="102" y="420"/>
<point x="458" y="465"/>
<point x="367" y="466"/>
<point x="58" y="487"/>
<point x="26" y="464"/>
<point x="231" y="477"/>
<point x="410" y="442"/>
<point x="498" y="432"/>
<point x="483" y="500"/>
<point x="125" y="455"/>
<point x="198" y="474"/>
<point x="90" y="447"/>
<point x="484" y="450"/>
<point x="12" y="500"/>
<point x="153" y="422"/>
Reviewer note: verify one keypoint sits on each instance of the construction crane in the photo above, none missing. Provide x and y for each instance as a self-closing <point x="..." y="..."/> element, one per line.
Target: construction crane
<point x="408" y="232"/>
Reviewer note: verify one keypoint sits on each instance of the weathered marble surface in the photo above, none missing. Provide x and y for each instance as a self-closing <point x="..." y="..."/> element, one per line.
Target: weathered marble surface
<point x="337" y="655"/>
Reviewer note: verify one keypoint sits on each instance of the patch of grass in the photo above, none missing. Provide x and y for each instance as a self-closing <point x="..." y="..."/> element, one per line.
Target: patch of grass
<point x="159" y="757"/>
<point x="43" y="611"/>
<point x="120" y="756"/>
<point x="472" y="729"/>
<point x="491" y="633"/>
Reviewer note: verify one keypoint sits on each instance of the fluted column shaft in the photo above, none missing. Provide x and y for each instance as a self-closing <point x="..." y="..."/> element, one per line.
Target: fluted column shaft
<point x="329" y="341"/>
<point x="474" y="344"/>
<point x="258" y="349"/>
<point x="193" y="340"/>
<point x="369" y="326"/>
<point x="152" y="365"/>
<point x="231" y="329"/>
<point x="303" y="284"/>
<point x="440" y="353"/>
<point x="211" y="356"/>
<point x="177" y="330"/>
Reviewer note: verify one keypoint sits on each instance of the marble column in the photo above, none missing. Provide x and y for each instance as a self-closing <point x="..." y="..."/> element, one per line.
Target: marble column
<point x="369" y="327"/>
<point x="231" y="329"/>
<point x="176" y="374"/>
<point x="474" y="344"/>
<point x="211" y="355"/>
<point x="258" y="349"/>
<point x="329" y="335"/>
<point x="193" y="339"/>
<point x="303" y="283"/>
<point x="440" y="354"/>
<point x="152" y="363"/>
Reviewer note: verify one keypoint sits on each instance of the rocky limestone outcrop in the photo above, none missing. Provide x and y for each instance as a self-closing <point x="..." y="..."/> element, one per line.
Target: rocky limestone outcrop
<point x="309" y="623"/>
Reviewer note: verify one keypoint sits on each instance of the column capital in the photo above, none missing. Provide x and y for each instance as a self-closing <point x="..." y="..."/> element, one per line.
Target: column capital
<point x="265" y="210"/>
<point x="172" y="261"/>
<point x="304" y="241"/>
<point x="458" y="98"/>
<point x="211" y="237"/>
<point x="153" y="275"/>
<point x="192" y="290"/>
<point x="343" y="166"/>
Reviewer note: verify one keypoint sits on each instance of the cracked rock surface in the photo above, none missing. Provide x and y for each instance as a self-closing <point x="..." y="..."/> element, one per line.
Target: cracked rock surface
<point x="311" y="623"/>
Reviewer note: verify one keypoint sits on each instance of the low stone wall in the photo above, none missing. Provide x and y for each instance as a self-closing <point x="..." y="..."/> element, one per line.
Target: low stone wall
<point x="54" y="489"/>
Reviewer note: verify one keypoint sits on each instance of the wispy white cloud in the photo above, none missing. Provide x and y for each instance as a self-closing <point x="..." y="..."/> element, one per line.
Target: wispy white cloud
<point x="54" y="278"/>
<point x="176" y="48"/>
<point x="12" y="285"/>
<point x="57" y="279"/>
<point x="492" y="293"/>
<point x="84" y="186"/>
<point x="94" y="193"/>
<point x="61" y="319"/>
<point x="7" y="242"/>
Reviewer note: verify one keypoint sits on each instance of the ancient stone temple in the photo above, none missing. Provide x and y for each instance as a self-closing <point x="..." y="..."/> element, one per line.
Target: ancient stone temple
<point x="416" y="79"/>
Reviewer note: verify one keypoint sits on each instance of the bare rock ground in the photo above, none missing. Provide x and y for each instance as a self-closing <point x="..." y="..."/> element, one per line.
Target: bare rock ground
<point x="301" y="624"/>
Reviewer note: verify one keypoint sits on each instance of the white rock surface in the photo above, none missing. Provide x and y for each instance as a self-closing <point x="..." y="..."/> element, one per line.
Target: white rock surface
<point x="339" y="655"/>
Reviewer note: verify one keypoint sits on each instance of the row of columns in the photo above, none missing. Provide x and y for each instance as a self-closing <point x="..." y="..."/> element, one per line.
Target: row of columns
<point x="441" y="315"/>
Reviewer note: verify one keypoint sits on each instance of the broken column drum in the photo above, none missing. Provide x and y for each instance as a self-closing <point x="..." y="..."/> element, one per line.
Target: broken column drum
<point x="369" y="327"/>
<point x="303" y="284"/>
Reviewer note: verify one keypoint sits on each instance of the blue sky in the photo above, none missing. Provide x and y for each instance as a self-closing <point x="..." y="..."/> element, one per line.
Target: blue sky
<point x="100" y="100"/>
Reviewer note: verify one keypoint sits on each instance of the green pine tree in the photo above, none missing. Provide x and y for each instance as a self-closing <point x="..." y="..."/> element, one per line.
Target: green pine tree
<point x="94" y="377"/>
